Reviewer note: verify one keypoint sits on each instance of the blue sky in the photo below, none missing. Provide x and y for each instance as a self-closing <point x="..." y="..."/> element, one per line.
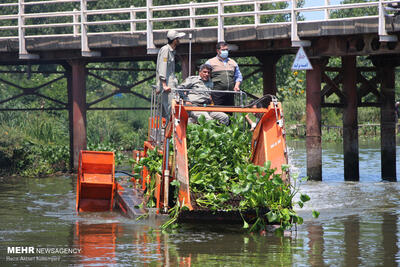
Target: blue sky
<point x="317" y="15"/>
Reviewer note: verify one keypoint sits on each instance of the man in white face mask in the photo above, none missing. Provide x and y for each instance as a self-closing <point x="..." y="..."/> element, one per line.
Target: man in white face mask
<point x="225" y="75"/>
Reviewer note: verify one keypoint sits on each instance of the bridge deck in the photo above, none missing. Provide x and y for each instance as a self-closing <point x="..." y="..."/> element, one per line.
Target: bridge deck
<point x="251" y="40"/>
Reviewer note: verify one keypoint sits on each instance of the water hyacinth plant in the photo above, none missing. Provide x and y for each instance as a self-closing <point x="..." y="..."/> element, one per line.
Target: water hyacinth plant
<point x="153" y="163"/>
<point x="220" y="170"/>
<point x="222" y="178"/>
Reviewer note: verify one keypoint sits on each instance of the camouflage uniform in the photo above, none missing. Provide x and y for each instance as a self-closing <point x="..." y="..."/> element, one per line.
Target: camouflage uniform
<point x="199" y="95"/>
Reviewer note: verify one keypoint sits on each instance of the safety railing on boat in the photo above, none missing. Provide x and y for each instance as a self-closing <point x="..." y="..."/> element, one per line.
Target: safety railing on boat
<point x="157" y="122"/>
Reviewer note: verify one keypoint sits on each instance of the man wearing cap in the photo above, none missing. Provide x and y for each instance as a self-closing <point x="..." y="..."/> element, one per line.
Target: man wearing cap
<point x="225" y="75"/>
<point x="200" y="94"/>
<point x="165" y="72"/>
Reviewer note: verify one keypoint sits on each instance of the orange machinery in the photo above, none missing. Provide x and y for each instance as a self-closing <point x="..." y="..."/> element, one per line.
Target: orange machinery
<point x="268" y="144"/>
<point x="96" y="181"/>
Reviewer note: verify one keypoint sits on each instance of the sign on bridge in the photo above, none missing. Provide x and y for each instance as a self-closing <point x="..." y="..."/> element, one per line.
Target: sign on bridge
<point x="301" y="61"/>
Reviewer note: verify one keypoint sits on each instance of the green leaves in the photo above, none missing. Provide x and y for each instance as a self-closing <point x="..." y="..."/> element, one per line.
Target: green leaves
<point x="175" y="183"/>
<point x="277" y="180"/>
<point x="202" y="120"/>
<point x="220" y="174"/>
<point x="304" y="198"/>
<point x="153" y="164"/>
<point x="216" y="154"/>
<point x="245" y="224"/>
<point x="315" y="214"/>
<point x="236" y="189"/>
<point x="220" y="170"/>
<point x="272" y="217"/>
<point x="267" y="165"/>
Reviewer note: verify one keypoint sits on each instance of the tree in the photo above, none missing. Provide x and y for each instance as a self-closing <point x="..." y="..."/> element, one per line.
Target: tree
<point x="354" y="12"/>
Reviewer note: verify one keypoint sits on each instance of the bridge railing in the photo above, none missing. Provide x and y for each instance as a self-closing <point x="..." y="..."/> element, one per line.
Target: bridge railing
<point x="80" y="18"/>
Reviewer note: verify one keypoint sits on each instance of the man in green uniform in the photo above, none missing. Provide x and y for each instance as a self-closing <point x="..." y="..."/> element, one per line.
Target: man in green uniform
<point x="165" y="71"/>
<point x="200" y="94"/>
<point x="225" y="75"/>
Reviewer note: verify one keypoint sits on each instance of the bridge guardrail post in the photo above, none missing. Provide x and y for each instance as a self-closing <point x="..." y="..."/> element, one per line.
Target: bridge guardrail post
<point x="294" y="36"/>
<point x="85" y="50"/>
<point x="23" y="53"/>
<point x="383" y="35"/>
<point x="296" y="42"/>
<point x="151" y="48"/>
<point x="327" y="11"/>
<point x="256" y="13"/>
<point x="192" y="13"/>
<point x="76" y="22"/>
<point x="84" y="38"/>
<point x="220" y="21"/>
<point x="133" y="18"/>
<point x="21" y="30"/>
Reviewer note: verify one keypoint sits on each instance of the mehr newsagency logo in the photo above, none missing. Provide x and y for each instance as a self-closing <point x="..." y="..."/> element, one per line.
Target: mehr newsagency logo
<point x="38" y="253"/>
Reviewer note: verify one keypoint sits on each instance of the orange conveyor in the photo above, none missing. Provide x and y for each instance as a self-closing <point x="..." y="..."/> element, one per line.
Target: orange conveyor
<point x="96" y="181"/>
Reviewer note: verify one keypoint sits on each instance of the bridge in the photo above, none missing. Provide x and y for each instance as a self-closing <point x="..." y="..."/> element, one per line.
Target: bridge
<point x="79" y="32"/>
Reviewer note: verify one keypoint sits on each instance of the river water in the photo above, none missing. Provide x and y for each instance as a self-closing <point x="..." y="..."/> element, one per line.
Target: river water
<point x="358" y="226"/>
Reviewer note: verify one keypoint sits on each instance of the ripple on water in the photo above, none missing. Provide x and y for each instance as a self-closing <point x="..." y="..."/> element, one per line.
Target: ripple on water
<point x="358" y="226"/>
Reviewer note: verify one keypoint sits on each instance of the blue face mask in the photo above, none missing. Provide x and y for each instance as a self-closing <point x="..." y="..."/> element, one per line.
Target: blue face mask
<point x="224" y="54"/>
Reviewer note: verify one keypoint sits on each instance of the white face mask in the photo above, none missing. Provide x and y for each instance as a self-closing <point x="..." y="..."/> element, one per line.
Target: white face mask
<point x="224" y="54"/>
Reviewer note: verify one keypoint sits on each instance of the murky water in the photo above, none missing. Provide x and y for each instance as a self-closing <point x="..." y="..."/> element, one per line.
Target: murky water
<point x="358" y="226"/>
<point x="332" y="160"/>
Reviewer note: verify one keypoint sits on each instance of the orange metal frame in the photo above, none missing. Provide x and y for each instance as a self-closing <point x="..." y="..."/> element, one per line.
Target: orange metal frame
<point x="268" y="144"/>
<point x="96" y="173"/>
<point x="95" y="181"/>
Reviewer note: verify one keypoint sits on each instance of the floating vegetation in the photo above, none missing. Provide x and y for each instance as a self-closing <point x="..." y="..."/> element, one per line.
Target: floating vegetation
<point x="223" y="179"/>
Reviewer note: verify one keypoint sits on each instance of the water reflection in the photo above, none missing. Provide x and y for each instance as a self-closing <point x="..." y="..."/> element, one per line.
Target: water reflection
<point x="237" y="249"/>
<point x="315" y="234"/>
<point x="121" y="244"/>
<point x="352" y="240"/>
<point x="358" y="226"/>
<point x="362" y="241"/>
<point x="97" y="243"/>
<point x="348" y="241"/>
<point x="332" y="159"/>
<point x="390" y="240"/>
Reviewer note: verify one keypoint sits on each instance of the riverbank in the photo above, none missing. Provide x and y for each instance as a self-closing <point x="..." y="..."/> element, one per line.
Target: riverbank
<point x="20" y="157"/>
<point x="294" y="109"/>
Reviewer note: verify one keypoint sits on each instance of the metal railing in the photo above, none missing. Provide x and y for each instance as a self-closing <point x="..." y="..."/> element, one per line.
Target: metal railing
<point x="80" y="18"/>
<point x="239" y="97"/>
<point x="157" y="124"/>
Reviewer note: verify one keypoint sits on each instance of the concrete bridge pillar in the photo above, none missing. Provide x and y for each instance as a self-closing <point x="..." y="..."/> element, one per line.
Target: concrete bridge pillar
<point x="77" y="109"/>
<point x="313" y="121"/>
<point x="388" y="122"/>
<point x="350" y="122"/>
